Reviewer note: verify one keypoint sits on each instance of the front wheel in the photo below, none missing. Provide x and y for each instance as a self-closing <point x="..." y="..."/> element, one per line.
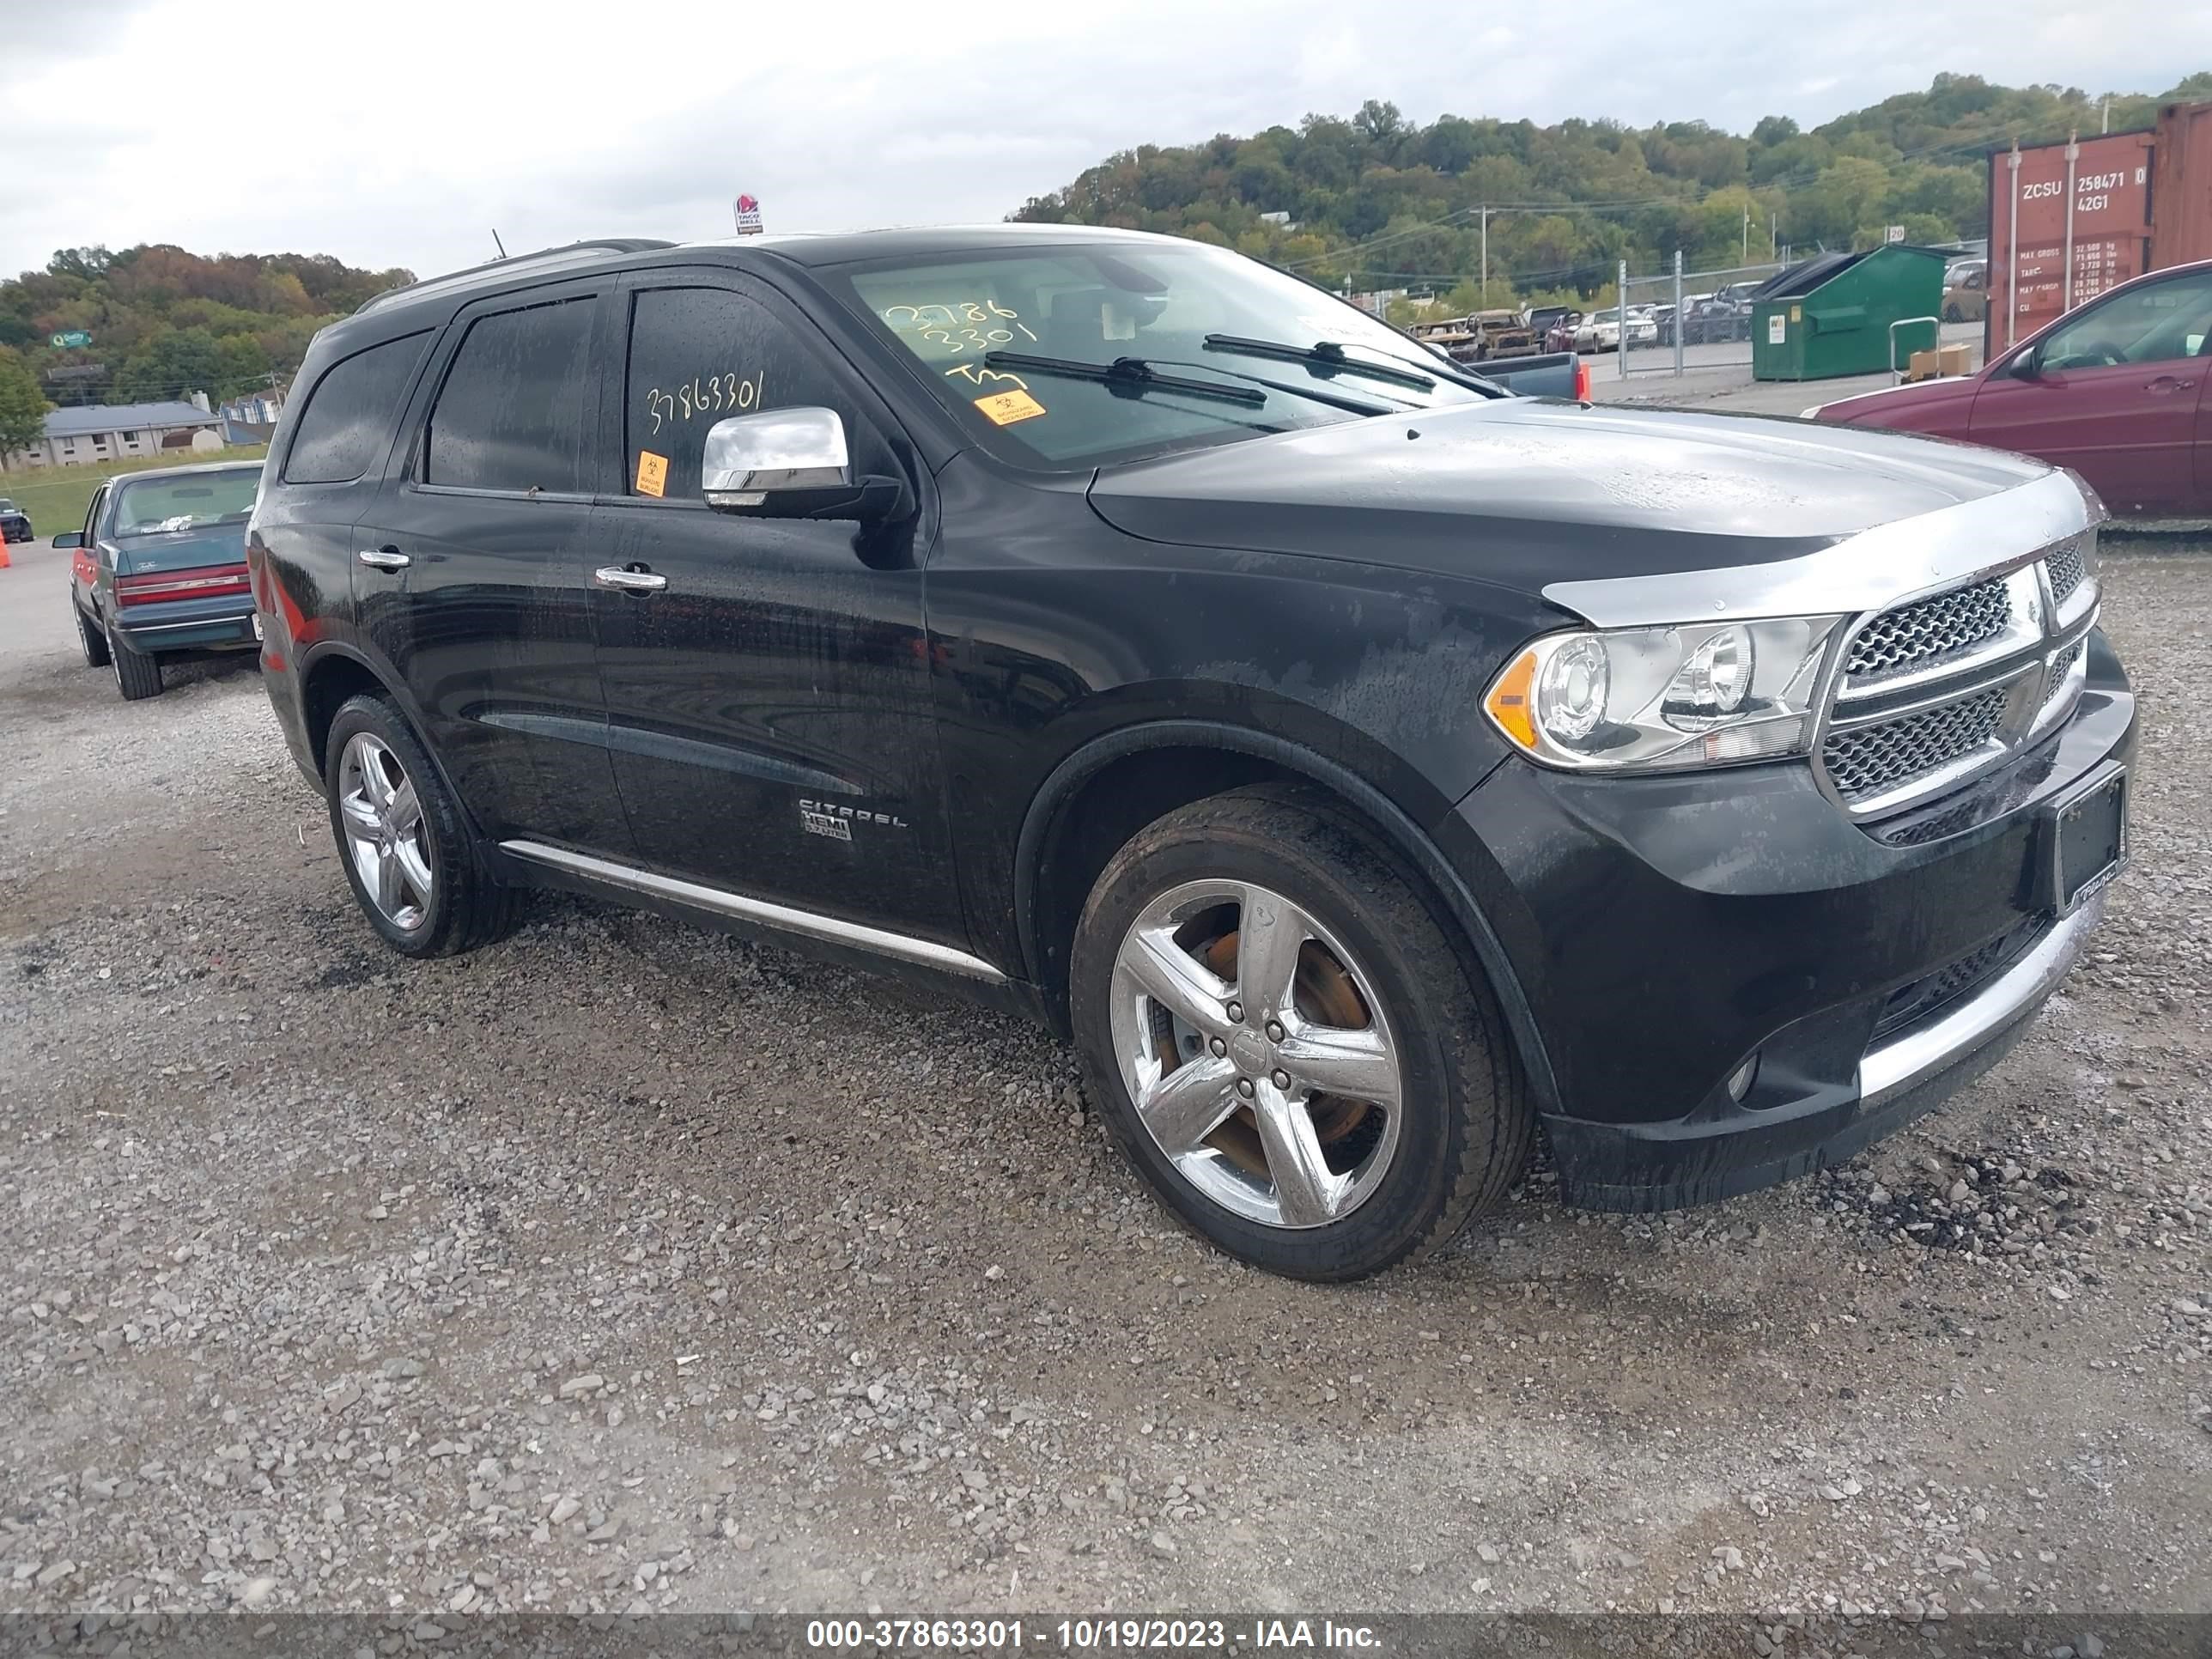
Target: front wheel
<point x="1287" y="1045"/>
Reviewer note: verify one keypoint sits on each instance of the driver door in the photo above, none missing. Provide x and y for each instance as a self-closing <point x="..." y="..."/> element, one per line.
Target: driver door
<point x="2112" y="392"/>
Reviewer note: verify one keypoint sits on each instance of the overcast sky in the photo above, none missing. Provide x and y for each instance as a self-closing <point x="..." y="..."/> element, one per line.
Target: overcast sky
<point x="402" y="131"/>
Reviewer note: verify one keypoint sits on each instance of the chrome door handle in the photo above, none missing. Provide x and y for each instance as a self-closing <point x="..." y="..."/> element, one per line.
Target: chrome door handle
<point x="2168" y="383"/>
<point x="383" y="558"/>
<point x="630" y="581"/>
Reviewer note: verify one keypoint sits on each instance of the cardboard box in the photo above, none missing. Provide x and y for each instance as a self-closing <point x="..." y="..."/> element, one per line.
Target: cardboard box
<point x="1922" y="365"/>
<point x="1952" y="359"/>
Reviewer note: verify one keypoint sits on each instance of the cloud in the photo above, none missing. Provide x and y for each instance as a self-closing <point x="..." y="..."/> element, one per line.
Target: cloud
<point x="406" y="134"/>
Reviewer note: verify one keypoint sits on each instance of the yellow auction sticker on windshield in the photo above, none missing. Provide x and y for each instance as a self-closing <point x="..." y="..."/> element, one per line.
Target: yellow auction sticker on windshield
<point x="1005" y="408"/>
<point x="651" y="473"/>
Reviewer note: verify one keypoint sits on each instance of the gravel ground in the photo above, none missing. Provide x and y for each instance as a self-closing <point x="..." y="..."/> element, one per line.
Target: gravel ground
<point x="626" y="1266"/>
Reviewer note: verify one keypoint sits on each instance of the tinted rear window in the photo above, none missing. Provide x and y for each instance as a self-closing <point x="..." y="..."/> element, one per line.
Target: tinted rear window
<point x="514" y="409"/>
<point x="189" y="501"/>
<point x="351" y="414"/>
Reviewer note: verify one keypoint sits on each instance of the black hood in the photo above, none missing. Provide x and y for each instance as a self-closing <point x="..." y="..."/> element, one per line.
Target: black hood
<point x="1525" y="492"/>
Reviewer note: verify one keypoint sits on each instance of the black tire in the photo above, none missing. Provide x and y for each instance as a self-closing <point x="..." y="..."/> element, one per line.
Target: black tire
<point x="1953" y="314"/>
<point x="136" y="675"/>
<point x="92" y="639"/>
<point x="467" y="907"/>
<point x="1466" y="1119"/>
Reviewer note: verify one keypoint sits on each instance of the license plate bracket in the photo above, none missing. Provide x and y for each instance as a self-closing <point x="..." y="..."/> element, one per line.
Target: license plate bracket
<point x="2086" y="838"/>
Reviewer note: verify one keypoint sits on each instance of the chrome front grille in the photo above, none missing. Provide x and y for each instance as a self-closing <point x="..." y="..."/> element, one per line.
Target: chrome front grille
<point x="2062" y="670"/>
<point x="2065" y="564"/>
<point x="1945" y="626"/>
<point x="1940" y="688"/>
<point x="1864" y="761"/>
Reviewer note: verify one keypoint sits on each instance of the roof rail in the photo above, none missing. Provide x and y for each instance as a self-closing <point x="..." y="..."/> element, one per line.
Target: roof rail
<point x="566" y="254"/>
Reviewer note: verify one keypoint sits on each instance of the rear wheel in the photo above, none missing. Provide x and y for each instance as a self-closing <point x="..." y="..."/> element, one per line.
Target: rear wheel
<point x="1287" y="1045"/>
<point x="407" y="853"/>
<point x="94" y="641"/>
<point x="137" y="676"/>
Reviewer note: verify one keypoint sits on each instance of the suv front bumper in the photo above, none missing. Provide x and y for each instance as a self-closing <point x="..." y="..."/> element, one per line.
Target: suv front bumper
<point x="1667" y="930"/>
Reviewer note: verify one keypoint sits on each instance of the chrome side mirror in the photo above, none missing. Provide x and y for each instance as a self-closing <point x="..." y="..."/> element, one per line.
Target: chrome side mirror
<point x="751" y="459"/>
<point x="793" y="464"/>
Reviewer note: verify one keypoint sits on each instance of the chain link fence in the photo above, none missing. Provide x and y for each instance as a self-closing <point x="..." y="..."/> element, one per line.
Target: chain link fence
<point x="1681" y="319"/>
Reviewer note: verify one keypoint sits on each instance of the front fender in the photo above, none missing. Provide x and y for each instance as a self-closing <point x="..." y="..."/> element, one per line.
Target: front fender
<point x="1375" y="810"/>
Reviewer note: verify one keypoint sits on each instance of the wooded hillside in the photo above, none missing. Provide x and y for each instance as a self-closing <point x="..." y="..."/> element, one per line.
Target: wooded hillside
<point x="1380" y="201"/>
<point x="165" y="323"/>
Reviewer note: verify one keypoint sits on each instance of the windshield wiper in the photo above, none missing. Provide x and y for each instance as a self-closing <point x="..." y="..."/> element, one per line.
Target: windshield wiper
<point x="1311" y="394"/>
<point x="1327" y="355"/>
<point x="1130" y="376"/>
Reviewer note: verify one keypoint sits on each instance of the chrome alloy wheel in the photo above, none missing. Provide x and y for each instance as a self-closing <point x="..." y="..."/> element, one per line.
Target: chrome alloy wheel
<point x="385" y="833"/>
<point x="1256" y="1053"/>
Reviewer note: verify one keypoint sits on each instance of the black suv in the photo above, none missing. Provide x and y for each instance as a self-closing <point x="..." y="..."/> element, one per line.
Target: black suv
<point x="1365" y="766"/>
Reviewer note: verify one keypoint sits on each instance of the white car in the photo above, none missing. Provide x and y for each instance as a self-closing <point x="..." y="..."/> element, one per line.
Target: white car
<point x="1601" y="331"/>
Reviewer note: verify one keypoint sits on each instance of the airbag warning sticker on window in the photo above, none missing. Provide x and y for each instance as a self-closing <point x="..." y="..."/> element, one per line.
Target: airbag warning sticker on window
<point x="651" y="473"/>
<point x="1005" y="408"/>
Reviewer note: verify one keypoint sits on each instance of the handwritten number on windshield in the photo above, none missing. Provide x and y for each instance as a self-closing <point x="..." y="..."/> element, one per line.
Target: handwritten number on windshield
<point x="977" y="325"/>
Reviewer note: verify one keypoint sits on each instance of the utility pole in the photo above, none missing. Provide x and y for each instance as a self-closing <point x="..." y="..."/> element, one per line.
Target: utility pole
<point x="1773" y="235"/>
<point x="1486" y="256"/>
<point x="2107" y="126"/>
<point x="1747" y="233"/>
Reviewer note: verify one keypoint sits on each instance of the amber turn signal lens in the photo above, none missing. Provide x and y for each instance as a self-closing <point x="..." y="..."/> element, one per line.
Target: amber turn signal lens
<point x="1509" y="700"/>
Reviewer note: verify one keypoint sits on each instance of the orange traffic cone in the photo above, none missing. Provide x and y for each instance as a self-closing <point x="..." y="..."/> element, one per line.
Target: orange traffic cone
<point x="4" y="560"/>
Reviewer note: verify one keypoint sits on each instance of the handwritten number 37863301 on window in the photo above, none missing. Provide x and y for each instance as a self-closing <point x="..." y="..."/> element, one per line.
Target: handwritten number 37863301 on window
<point x="712" y="394"/>
<point x="963" y="326"/>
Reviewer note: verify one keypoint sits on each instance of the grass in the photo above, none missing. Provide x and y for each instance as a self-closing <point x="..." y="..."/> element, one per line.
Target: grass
<point x="57" y="497"/>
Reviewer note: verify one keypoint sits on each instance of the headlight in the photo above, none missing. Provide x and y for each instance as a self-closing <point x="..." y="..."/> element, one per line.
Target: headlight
<point x="1699" y="693"/>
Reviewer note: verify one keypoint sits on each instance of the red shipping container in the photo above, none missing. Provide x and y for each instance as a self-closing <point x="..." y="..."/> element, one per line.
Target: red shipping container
<point x="2181" y="186"/>
<point x="2081" y="224"/>
<point x="2140" y="201"/>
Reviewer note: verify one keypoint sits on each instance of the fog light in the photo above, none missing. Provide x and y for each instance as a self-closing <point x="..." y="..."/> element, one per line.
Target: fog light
<point x="1740" y="1080"/>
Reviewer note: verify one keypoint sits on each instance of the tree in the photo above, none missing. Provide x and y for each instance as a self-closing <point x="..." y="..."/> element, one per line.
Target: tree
<point x="22" y="405"/>
<point x="87" y="263"/>
<point x="1385" y="200"/>
<point x="172" y="365"/>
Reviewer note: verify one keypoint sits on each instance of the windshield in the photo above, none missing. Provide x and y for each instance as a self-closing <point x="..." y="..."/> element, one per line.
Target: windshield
<point x="185" y="501"/>
<point x="1096" y="304"/>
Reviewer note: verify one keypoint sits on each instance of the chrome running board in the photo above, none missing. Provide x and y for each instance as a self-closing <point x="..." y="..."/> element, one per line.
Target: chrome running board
<point x="781" y="917"/>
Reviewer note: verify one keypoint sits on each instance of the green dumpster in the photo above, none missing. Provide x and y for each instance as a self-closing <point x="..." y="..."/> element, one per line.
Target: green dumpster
<point x="1831" y="316"/>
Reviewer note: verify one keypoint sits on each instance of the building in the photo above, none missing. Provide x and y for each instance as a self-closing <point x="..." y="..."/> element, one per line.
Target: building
<point x="251" y="419"/>
<point x="118" y="432"/>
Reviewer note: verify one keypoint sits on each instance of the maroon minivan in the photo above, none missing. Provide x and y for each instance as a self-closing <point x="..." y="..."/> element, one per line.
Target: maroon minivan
<point x="2119" y="389"/>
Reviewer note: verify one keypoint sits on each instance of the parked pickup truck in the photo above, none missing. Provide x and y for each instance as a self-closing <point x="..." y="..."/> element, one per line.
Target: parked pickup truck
<point x="1362" y="766"/>
<point x="1553" y="374"/>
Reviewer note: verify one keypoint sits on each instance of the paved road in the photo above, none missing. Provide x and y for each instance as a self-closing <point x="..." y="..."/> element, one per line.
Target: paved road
<point x="621" y="1265"/>
<point x="1722" y="374"/>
